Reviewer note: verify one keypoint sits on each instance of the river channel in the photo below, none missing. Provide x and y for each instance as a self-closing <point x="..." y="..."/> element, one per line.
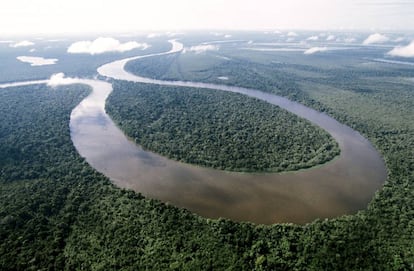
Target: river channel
<point x="342" y="186"/>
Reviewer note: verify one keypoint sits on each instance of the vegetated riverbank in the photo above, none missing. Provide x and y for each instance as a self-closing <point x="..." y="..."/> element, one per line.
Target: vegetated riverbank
<point x="77" y="220"/>
<point x="216" y="129"/>
<point x="211" y="193"/>
<point x="74" y="218"/>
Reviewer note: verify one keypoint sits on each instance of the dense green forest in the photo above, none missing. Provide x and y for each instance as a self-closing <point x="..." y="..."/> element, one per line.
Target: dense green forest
<point x="218" y="129"/>
<point x="56" y="212"/>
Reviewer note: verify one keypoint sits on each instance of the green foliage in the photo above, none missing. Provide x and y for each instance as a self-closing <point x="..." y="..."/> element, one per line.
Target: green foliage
<point x="218" y="129"/>
<point x="370" y="101"/>
<point x="31" y="142"/>
<point x="61" y="214"/>
<point x="37" y="174"/>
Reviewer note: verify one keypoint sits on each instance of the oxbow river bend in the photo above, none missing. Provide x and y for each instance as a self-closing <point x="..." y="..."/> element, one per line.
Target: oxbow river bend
<point x="341" y="186"/>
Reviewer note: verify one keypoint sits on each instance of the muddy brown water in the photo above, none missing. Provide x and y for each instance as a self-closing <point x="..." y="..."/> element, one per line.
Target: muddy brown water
<point x="342" y="186"/>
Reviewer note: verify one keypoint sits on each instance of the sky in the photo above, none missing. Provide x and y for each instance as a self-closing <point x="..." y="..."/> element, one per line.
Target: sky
<point x="19" y="17"/>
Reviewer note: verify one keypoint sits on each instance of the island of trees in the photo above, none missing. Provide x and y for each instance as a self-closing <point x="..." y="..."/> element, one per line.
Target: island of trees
<point x="218" y="129"/>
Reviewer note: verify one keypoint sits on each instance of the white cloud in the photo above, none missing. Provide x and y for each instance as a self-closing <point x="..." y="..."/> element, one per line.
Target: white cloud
<point x="292" y="34"/>
<point x="403" y="51"/>
<point x="154" y="35"/>
<point x="37" y="61"/>
<point x="198" y="49"/>
<point x="223" y="78"/>
<point x="174" y="34"/>
<point x="24" y="43"/>
<point x="313" y="38"/>
<point x="218" y="34"/>
<point x="399" y="39"/>
<point x="103" y="45"/>
<point x="330" y="38"/>
<point x="56" y="40"/>
<point x="314" y="50"/>
<point x="349" y="40"/>
<point x="290" y="39"/>
<point x="59" y="79"/>
<point x="375" y="38"/>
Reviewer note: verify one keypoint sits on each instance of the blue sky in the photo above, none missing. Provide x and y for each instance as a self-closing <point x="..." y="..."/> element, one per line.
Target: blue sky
<point x="85" y="16"/>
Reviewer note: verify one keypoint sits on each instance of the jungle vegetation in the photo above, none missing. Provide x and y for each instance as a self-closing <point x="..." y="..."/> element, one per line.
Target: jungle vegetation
<point x="56" y="212"/>
<point x="218" y="129"/>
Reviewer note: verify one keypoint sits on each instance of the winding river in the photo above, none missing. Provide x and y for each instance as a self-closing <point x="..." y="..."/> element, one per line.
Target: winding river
<point x="342" y="186"/>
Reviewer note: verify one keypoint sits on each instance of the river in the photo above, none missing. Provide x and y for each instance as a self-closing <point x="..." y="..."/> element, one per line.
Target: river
<point x="342" y="186"/>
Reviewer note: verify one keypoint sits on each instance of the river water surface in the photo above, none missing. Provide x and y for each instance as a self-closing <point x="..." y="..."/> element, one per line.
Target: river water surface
<point x="342" y="186"/>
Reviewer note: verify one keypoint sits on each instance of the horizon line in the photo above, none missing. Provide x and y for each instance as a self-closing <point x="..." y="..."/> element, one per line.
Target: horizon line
<point x="189" y="30"/>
